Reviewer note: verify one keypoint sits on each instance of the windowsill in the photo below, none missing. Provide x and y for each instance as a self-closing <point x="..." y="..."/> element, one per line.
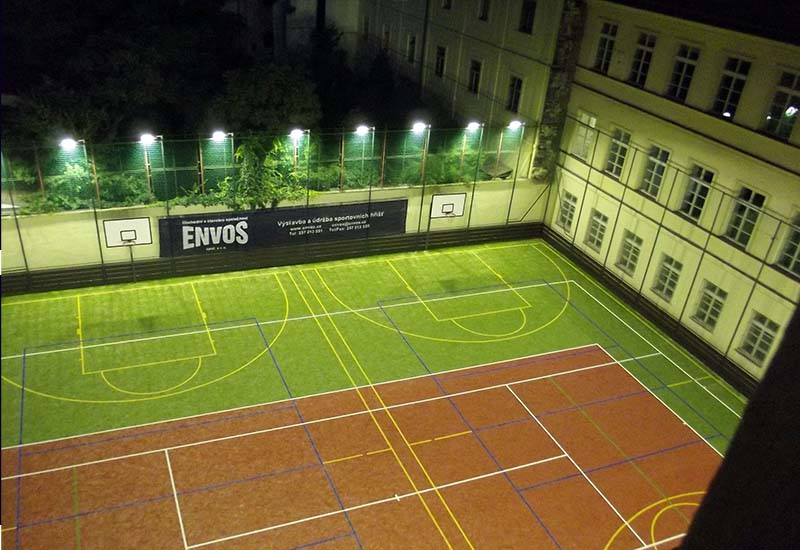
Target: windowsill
<point x="664" y="297"/>
<point x="646" y="195"/>
<point x="687" y="217"/>
<point x="735" y="244"/>
<point x="529" y="33"/>
<point x="626" y="270"/>
<point x="746" y="355"/>
<point x="592" y="246"/>
<point x="786" y="271"/>
<point x="610" y="175"/>
<point x="702" y="324"/>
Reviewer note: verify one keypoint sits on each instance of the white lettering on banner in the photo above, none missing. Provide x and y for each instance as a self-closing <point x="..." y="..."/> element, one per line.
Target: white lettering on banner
<point x="194" y="237"/>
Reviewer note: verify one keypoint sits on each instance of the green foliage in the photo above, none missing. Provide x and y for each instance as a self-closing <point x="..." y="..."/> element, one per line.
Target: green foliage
<point x="122" y="189"/>
<point x="73" y="190"/>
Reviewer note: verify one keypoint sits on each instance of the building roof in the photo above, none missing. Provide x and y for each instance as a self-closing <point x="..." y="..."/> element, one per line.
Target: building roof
<point x="774" y="19"/>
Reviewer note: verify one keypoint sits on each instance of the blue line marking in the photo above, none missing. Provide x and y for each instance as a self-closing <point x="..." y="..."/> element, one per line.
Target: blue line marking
<point x="463" y="418"/>
<point x="318" y="542"/>
<point x="308" y="435"/>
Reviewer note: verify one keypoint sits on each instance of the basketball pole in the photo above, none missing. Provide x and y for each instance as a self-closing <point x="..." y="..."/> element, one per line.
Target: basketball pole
<point x="133" y="265"/>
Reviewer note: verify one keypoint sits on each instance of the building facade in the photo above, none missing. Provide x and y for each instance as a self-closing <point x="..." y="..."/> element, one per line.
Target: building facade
<point x="679" y="169"/>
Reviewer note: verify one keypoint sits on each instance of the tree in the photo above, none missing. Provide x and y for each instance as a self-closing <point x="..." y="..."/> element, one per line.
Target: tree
<point x="267" y="98"/>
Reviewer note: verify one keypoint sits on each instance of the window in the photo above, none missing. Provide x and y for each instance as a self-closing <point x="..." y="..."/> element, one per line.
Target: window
<point x="667" y="278"/>
<point x="654" y="172"/>
<point x="730" y="87"/>
<point x="567" y="212"/>
<point x="514" y="93"/>
<point x="790" y="257"/>
<point x="526" y="16"/>
<point x="785" y="106"/>
<point x="759" y="338"/>
<point x="697" y="192"/>
<point x="411" y="48"/>
<point x="642" y="59"/>
<point x="745" y="215"/>
<point x="386" y="38"/>
<point x="596" y="230"/>
<point x="605" y="48"/>
<point x="712" y="298"/>
<point x="616" y="154"/>
<point x="441" y="55"/>
<point x="682" y="72"/>
<point x="474" y="76"/>
<point x="447" y="4"/>
<point x="584" y="135"/>
<point x="483" y="10"/>
<point x="629" y="252"/>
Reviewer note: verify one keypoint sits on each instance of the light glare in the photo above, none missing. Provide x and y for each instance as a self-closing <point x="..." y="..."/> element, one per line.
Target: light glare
<point x="514" y="124"/>
<point x="296" y="134"/>
<point x="791" y="111"/>
<point x="362" y="130"/>
<point x="472" y="126"/>
<point x="219" y="135"/>
<point x="147" y="139"/>
<point x="419" y="127"/>
<point x="68" y="144"/>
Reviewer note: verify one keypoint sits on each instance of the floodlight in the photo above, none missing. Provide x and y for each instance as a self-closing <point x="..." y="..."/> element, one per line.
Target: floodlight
<point x="727" y="114"/>
<point x="147" y="139"/>
<point x="419" y="127"/>
<point x="362" y="130"/>
<point x="68" y="144"/>
<point x="791" y="110"/>
<point x="472" y="126"/>
<point x="219" y="135"/>
<point x="296" y="134"/>
<point x="514" y="124"/>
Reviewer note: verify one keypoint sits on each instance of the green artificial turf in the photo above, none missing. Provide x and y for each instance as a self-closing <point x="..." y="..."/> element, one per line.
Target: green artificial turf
<point x="108" y="357"/>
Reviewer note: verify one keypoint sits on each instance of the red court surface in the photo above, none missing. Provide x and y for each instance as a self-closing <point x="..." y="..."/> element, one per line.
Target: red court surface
<point x="563" y="450"/>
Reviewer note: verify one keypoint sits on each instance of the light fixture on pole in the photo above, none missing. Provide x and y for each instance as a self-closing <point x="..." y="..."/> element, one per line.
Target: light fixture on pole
<point x="147" y="140"/>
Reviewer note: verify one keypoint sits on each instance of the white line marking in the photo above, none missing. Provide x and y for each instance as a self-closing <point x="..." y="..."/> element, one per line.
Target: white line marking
<point x="274" y="321"/>
<point x="175" y="494"/>
<point x="376" y="502"/>
<point x="310" y="422"/>
<point x="289" y="400"/>
<point x="586" y="477"/>
<point x="709" y="392"/>
<point x="668" y="407"/>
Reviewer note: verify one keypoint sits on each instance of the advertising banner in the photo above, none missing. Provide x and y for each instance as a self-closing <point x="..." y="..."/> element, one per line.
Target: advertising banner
<point x="202" y="233"/>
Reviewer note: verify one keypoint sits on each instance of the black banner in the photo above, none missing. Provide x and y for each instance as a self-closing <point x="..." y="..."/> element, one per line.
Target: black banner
<point x="201" y="233"/>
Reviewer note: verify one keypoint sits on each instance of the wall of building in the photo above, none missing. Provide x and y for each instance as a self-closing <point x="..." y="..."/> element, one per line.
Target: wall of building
<point x="736" y="150"/>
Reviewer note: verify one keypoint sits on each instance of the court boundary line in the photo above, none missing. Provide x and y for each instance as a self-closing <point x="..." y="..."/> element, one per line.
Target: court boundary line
<point x="282" y="401"/>
<point x="574" y="464"/>
<point x="394" y="498"/>
<point x="175" y="496"/>
<point x="316" y="421"/>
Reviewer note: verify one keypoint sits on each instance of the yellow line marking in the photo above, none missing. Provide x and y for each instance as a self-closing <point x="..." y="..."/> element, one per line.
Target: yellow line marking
<point x="113" y="387"/>
<point x="473" y="315"/>
<point x="451" y="435"/>
<point x="421" y="442"/>
<point x="622" y="527"/>
<point x="379" y="451"/>
<point x="520" y="296"/>
<point x="8" y="529"/>
<point x="414" y="292"/>
<point x="150" y="364"/>
<point x="364" y="401"/>
<point x="664" y="510"/>
<point x="204" y="317"/>
<point x="688" y="381"/>
<point x="333" y="461"/>
<point x="80" y="334"/>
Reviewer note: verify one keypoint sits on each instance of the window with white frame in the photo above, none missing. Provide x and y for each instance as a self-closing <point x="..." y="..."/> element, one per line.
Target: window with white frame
<point x="526" y="16"/>
<point x="411" y="48"/>
<point x="608" y="36"/>
<point x="566" y="213"/>
<point x="730" y="87"/>
<point x="642" y="58"/>
<point x="667" y="277"/>
<point x="657" y="160"/>
<point x="697" y="192"/>
<point x="712" y="298"/>
<point x="682" y="72"/>
<point x="790" y="256"/>
<point x="785" y="106"/>
<point x="596" y="230"/>
<point x="629" y="252"/>
<point x="620" y="142"/>
<point x="441" y="56"/>
<point x="483" y="10"/>
<point x="745" y="215"/>
<point x="514" y="93"/>
<point x="761" y="334"/>
<point x="585" y="135"/>
<point x="474" y="82"/>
